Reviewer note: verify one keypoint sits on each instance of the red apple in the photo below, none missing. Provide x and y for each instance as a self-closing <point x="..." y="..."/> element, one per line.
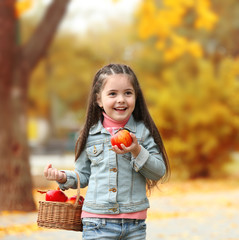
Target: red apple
<point x="55" y="195"/>
<point x="121" y="137"/>
<point x="73" y="200"/>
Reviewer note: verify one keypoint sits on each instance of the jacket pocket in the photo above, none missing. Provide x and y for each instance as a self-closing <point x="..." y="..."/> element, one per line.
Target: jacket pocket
<point x="95" y="153"/>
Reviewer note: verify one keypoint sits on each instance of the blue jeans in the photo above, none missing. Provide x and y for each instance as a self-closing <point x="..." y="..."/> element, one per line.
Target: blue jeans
<point x="107" y="228"/>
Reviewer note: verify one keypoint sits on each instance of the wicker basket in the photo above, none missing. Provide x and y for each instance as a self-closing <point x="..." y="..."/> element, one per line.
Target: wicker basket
<point x="61" y="215"/>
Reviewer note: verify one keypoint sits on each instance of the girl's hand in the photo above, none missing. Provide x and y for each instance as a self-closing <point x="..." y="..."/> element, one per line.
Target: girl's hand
<point x="134" y="148"/>
<point x="53" y="174"/>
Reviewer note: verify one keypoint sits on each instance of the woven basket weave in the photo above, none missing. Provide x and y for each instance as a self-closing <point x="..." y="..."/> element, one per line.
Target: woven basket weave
<point x="61" y="215"/>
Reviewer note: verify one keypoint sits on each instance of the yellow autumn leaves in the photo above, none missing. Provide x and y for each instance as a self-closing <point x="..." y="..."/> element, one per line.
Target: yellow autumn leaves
<point x="21" y="6"/>
<point x="26" y="229"/>
<point x="198" y="116"/>
<point x="194" y="100"/>
<point x="179" y="46"/>
<point x="160" y="20"/>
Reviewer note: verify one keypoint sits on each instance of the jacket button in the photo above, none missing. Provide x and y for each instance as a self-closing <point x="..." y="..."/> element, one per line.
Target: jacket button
<point x="113" y="189"/>
<point x="113" y="169"/>
<point x="113" y="209"/>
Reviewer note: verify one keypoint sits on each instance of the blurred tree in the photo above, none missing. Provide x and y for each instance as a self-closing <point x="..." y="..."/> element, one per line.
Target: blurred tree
<point x="190" y="57"/>
<point x="223" y="40"/>
<point x="71" y="69"/>
<point x="198" y="118"/>
<point x="17" y="63"/>
<point x="199" y="28"/>
<point x="173" y="25"/>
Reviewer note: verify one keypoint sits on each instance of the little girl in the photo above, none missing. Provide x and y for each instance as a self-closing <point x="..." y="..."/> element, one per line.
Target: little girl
<point x="116" y="204"/>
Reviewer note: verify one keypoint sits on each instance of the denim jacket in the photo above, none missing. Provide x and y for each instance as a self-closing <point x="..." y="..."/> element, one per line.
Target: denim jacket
<point x="116" y="182"/>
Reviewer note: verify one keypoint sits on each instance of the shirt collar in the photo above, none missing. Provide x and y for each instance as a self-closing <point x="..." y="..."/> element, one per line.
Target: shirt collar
<point x="98" y="127"/>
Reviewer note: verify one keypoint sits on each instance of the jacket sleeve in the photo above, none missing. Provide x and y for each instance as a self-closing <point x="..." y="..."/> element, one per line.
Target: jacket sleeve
<point x="82" y="167"/>
<point x="149" y="161"/>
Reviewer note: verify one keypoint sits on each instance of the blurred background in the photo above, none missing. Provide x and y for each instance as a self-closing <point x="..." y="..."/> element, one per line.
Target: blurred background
<point x="184" y="53"/>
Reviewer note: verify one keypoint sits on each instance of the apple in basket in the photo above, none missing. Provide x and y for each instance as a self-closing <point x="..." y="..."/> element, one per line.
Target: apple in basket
<point x="122" y="136"/>
<point x="73" y="200"/>
<point x="54" y="195"/>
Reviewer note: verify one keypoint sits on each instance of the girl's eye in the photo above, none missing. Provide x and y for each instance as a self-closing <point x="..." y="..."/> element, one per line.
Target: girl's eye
<point x="128" y="93"/>
<point x="112" y="94"/>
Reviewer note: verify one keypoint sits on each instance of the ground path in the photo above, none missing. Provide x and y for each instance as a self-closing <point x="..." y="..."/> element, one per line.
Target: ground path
<point x="199" y="210"/>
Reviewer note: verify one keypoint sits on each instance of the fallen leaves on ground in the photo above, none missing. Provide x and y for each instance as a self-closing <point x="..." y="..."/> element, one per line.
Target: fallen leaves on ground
<point x="174" y="199"/>
<point x="27" y="229"/>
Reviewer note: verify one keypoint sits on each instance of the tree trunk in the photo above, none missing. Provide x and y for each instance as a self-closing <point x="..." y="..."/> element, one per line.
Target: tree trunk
<point x="7" y="43"/>
<point x="17" y="63"/>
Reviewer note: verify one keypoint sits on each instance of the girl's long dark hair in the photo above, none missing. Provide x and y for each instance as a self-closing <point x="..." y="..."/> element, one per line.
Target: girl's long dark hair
<point x="140" y="113"/>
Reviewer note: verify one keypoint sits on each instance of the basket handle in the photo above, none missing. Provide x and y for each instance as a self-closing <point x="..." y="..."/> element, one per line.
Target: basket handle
<point x="78" y="189"/>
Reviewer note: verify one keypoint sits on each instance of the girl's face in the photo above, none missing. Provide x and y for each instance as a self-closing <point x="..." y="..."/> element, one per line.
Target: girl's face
<point x="117" y="97"/>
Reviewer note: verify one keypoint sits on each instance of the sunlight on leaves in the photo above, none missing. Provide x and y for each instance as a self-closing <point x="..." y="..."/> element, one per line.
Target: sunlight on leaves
<point x="21" y="6"/>
<point x="26" y="229"/>
<point x="152" y="24"/>
<point x="198" y="114"/>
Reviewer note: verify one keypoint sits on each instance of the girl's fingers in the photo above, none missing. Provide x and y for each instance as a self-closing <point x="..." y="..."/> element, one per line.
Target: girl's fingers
<point x="120" y="151"/>
<point x="54" y="172"/>
<point x="60" y="175"/>
<point x="115" y="148"/>
<point x="51" y="173"/>
<point x="134" y="139"/>
<point x="46" y="169"/>
<point x="56" y="175"/>
<point x="123" y="147"/>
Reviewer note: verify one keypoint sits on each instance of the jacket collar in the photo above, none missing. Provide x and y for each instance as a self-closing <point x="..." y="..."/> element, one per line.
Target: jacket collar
<point x="98" y="127"/>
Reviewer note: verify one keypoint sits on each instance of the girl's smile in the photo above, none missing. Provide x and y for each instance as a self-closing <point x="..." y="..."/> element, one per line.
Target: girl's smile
<point x="117" y="97"/>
